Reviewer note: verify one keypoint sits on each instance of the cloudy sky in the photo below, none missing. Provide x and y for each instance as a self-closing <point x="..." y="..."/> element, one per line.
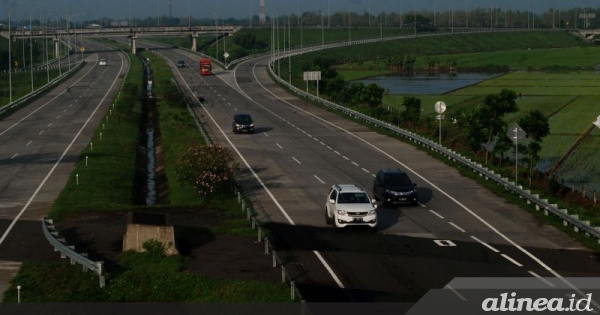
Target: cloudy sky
<point x="120" y="9"/>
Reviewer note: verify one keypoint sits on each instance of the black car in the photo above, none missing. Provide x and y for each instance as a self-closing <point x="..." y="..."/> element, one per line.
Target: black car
<point x="181" y="64"/>
<point x="242" y="123"/>
<point x="393" y="186"/>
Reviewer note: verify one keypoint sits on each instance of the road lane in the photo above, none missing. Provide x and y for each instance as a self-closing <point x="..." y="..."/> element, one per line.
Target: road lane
<point x="39" y="145"/>
<point x="300" y="150"/>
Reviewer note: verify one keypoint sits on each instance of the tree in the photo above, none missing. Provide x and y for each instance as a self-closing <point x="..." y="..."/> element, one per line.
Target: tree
<point x="372" y="94"/>
<point x="412" y="112"/>
<point x="207" y="168"/>
<point x="496" y="106"/>
<point x="470" y="120"/>
<point x="536" y="125"/>
<point x="246" y="40"/>
<point x="502" y="145"/>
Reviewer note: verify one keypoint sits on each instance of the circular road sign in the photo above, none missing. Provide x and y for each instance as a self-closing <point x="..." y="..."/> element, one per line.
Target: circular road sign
<point x="440" y="107"/>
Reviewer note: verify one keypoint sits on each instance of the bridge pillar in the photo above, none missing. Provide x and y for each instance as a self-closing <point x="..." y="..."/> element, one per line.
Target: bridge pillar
<point x="133" y="47"/>
<point x="56" y="47"/>
<point x="194" y="44"/>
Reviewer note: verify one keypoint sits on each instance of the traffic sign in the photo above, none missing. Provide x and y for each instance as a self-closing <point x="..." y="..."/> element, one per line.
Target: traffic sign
<point x="226" y="55"/>
<point x="515" y="133"/>
<point x="82" y="49"/>
<point x="312" y="75"/>
<point x="440" y="107"/>
<point x="597" y="122"/>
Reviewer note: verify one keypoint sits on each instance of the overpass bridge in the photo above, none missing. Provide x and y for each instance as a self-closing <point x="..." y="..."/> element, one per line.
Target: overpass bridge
<point x="131" y="32"/>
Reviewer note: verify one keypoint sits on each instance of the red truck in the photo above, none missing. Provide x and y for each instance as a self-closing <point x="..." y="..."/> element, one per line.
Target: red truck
<point x="205" y="66"/>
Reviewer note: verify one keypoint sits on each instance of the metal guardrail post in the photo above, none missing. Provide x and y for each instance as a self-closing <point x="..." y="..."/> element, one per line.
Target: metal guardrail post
<point x="259" y="234"/>
<point x="292" y="289"/>
<point x="266" y="245"/>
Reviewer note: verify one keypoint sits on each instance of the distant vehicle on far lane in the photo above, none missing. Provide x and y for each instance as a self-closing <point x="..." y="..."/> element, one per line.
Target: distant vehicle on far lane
<point x="102" y="62"/>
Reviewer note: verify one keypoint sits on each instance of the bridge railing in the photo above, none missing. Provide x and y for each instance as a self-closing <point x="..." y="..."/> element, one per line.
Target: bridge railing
<point x="534" y="199"/>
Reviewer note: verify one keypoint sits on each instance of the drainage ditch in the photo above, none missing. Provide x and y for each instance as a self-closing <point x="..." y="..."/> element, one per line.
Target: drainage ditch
<point x="151" y="185"/>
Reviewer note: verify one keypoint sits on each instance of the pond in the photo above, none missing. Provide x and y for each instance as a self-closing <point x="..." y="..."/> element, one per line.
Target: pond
<point x="422" y="83"/>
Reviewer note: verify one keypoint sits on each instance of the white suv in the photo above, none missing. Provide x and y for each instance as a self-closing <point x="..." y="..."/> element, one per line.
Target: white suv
<point x="348" y="205"/>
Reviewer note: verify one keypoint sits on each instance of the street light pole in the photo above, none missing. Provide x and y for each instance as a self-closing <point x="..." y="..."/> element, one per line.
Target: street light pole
<point x="46" y="51"/>
<point x="9" y="53"/>
<point x="31" y="48"/>
<point x="68" y="35"/>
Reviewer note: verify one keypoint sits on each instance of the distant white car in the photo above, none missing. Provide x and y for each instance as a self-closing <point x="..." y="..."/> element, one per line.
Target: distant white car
<point x="102" y="62"/>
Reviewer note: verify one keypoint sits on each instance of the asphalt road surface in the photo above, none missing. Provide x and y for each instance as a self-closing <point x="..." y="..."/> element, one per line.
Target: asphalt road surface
<point x="39" y="145"/>
<point x="300" y="150"/>
<point x="297" y="153"/>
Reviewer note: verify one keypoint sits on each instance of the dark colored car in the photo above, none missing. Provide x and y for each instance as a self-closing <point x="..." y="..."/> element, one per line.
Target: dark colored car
<point x="181" y="64"/>
<point x="393" y="186"/>
<point x="242" y="123"/>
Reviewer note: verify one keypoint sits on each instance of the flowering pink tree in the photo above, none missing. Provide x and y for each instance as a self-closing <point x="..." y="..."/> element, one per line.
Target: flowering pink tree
<point x="207" y="168"/>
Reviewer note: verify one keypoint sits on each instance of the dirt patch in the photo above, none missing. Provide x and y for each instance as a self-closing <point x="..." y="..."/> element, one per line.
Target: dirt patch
<point x="100" y="235"/>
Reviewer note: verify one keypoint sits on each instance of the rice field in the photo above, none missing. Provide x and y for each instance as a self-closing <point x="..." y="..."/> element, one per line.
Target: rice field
<point x="582" y="167"/>
<point x="571" y="102"/>
<point x="584" y="57"/>
<point x="547" y="105"/>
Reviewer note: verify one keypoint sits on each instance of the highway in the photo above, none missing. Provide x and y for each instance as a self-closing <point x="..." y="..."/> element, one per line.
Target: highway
<point x="39" y="145"/>
<point x="300" y="150"/>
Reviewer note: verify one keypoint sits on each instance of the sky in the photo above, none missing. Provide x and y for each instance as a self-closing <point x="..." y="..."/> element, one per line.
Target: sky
<point x="121" y="9"/>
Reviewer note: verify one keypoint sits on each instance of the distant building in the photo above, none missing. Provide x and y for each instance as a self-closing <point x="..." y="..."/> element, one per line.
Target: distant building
<point x="119" y="24"/>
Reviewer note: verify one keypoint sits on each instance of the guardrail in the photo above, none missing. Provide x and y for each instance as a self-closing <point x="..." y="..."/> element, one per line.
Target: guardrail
<point x="23" y="100"/>
<point x="269" y="248"/>
<point x="540" y="204"/>
<point x="69" y="251"/>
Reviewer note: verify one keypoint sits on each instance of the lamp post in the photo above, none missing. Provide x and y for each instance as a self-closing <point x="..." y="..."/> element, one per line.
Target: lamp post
<point x="9" y="53"/>
<point x="289" y="50"/>
<point x="216" y="34"/>
<point x="69" y="22"/>
<point x="224" y="49"/>
<point x="31" y="48"/>
<point x="46" y="50"/>
<point x="276" y="36"/>
<point x="68" y="34"/>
